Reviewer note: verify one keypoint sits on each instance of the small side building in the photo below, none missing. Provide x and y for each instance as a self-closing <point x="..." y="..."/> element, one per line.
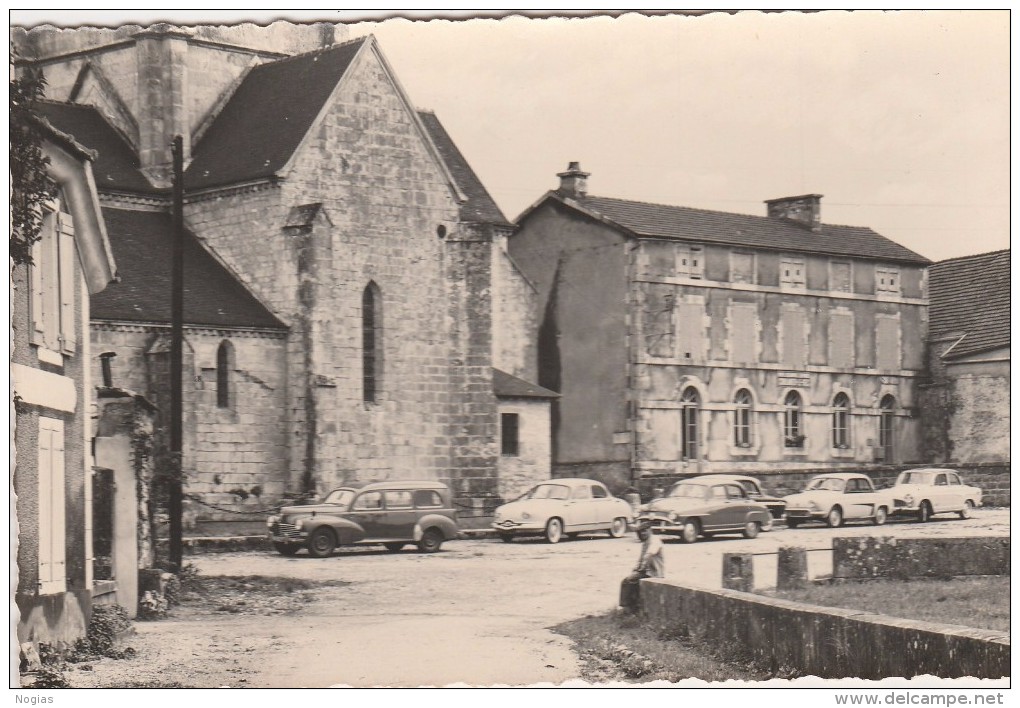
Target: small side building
<point x="525" y="449"/>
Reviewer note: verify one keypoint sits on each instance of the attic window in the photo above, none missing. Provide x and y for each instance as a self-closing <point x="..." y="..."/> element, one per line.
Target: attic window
<point x="887" y="280"/>
<point x="690" y="262"/>
<point x="791" y="272"/>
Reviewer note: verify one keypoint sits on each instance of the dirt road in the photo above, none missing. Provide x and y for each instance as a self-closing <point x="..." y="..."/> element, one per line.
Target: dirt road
<point x="478" y="612"/>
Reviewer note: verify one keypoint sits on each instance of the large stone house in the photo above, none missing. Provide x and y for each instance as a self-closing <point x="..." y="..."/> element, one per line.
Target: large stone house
<point x="685" y="341"/>
<point x="967" y="408"/>
<point x="50" y="370"/>
<point x="347" y="289"/>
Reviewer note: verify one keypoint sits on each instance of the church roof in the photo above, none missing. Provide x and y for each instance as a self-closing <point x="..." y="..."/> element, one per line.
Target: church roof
<point x="142" y="242"/>
<point x="262" y="124"/>
<point x="645" y="219"/>
<point x="969" y="298"/>
<point x="480" y="206"/>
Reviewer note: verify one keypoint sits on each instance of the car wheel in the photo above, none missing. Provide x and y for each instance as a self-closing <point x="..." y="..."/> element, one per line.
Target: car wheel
<point x="880" y="516"/>
<point x="835" y="518"/>
<point x="286" y="549"/>
<point x="618" y="528"/>
<point x="751" y="529"/>
<point x="394" y="547"/>
<point x="968" y="509"/>
<point x="431" y="541"/>
<point x="792" y="523"/>
<point x="924" y="512"/>
<point x="689" y="534"/>
<point x="506" y="537"/>
<point x="554" y="530"/>
<point x="321" y="543"/>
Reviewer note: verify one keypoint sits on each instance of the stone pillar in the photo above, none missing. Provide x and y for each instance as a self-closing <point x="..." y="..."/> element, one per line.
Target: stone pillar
<point x="791" y="568"/>
<point x="738" y="572"/>
<point x="162" y="100"/>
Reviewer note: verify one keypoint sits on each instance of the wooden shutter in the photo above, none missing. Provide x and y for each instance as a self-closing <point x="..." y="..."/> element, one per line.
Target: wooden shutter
<point x="794" y="323"/>
<point x="690" y="331"/>
<point x="36" y="296"/>
<point x="743" y="335"/>
<point x="68" y="258"/>
<point x="841" y="340"/>
<point x="52" y="527"/>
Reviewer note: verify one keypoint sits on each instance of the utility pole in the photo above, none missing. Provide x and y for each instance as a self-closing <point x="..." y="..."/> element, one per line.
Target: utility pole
<point x="176" y="491"/>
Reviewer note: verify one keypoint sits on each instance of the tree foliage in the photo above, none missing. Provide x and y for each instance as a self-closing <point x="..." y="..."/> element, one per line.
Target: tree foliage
<point x="31" y="184"/>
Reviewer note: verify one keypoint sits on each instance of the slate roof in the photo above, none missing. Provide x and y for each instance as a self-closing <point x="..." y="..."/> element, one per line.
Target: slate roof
<point x="116" y="166"/>
<point x="262" y="124"/>
<point x="705" y="226"/>
<point x="479" y="207"/>
<point x="506" y="386"/>
<point x="212" y="296"/>
<point x="969" y="296"/>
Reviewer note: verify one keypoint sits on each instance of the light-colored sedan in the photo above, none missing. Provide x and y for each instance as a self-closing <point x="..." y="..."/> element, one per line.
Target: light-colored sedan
<point x="838" y="497"/>
<point x="563" y="507"/>
<point x="924" y="492"/>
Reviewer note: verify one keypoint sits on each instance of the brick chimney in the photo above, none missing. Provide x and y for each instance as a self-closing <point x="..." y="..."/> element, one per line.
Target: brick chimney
<point x="573" y="182"/>
<point x="806" y="210"/>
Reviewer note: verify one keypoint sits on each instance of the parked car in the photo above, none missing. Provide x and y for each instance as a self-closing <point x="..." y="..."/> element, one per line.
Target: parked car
<point x="704" y="506"/>
<point x="752" y="486"/>
<point x="924" y="492"/>
<point x="392" y="514"/>
<point x="838" y="497"/>
<point x="563" y="507"/>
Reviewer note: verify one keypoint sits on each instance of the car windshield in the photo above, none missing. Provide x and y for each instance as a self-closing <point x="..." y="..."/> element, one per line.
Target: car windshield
<point x="548" y="491"/>
<point x="695" y="491"/>
<point x="828" y="484"/>
<point x="340" y="497"/>
<point x="915" y="477"/>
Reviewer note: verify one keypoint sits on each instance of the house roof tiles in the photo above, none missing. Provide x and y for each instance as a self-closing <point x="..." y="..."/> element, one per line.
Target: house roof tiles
<point x="969" y="297"/>
<point x="684" y="223"/>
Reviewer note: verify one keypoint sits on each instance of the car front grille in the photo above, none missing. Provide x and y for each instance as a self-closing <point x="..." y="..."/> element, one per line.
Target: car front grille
<point x="285" y="530"/>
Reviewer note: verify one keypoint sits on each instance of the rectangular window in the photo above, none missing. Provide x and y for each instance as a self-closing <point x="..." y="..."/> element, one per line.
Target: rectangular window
<point x="690" y="262"/>
<point x="510" y="434"/>
<point x="52" y="537"/>
<point x="887" y="280"/>
<point x="841" y="340"/>
<point x="398" y="499"/>
<point x="791" y="272"/>
<point x="742" y="267"/>
<point x="839" y="276"/>
<point x="52" y="296"/>
<point x="887" y="343"/>
<point x="743" y="333"/>
<point x="690" y="331"/>
<point x="794" y="324"/>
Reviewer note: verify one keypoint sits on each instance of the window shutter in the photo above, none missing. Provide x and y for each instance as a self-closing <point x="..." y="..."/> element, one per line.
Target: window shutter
<point x="36" y="298"/>
<point x="49" y="265"/>
<point x="68" y="257"/>
<point x="57" y="505"/>
<point x="52" y="528"/>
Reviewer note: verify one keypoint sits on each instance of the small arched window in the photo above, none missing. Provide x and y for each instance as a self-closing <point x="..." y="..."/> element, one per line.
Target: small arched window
<point x="792" y="434"/>
<point x="371" y="342"/>
<point x="742" y="418"/>
<point x="689" y="405"/>
<point x="224" y="363"/>
<point x="841" y="421"/>
<point x="886" y="429"/>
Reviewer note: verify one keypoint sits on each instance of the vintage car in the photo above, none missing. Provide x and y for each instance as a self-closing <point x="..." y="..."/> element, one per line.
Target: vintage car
<point x="838" y="497"/>
<point x="563" y="507"/>
<point x="924" y="492"/>
<point x="704" y="506"/>
<point x="392" y="514"/>
<point x="752" y="486"/>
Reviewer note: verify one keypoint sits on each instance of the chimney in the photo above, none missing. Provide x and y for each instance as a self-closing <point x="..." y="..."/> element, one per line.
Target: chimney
<point x="806" y="210"/>
<point x="573" y="182"/>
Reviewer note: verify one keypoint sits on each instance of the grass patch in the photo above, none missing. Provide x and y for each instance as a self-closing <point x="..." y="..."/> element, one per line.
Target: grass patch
<point x="622" y="647"/>
<point x="981" y="603"/>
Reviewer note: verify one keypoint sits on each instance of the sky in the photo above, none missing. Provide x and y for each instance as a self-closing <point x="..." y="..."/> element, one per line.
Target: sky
<point x="901" y="120"/>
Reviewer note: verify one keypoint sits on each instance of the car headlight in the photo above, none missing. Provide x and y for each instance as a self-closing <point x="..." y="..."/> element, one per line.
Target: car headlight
<point x="643" y="508"/>
<point x="525" y="515"/>
<point x="299" y="524"/>
<point x="673" y="516"/>
<point x="813" y="505"/>
<point x="272" y="520"/>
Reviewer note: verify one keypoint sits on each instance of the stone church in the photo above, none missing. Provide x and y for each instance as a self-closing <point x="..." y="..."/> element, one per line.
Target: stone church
<point x="351" y="312"/>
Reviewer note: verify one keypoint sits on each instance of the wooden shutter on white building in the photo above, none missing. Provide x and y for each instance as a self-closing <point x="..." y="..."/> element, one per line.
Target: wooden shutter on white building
<point x="52" y="528"/>
<point x="68" y="258"/>
<point x="38" y="332"/>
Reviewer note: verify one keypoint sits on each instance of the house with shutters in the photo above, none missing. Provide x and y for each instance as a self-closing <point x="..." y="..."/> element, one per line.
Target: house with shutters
<point x="51" y="377"/>
<point x="348" y="292"/>
<point x="685" y="341"/>
<point x="966" y="411"/>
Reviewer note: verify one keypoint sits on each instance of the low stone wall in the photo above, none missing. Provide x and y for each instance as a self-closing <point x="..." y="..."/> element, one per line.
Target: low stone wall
<point x="823" y="641"/>
<point x="887" y="557"/>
